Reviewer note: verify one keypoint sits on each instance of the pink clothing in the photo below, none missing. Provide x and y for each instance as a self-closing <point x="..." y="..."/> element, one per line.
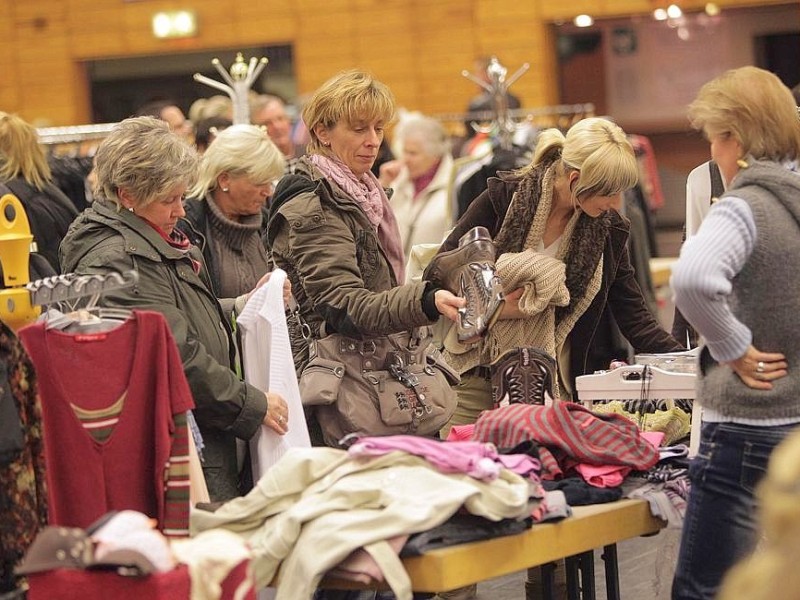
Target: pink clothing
<point x="367" y="192"/>
<point x="475" y="459"/>
<point x="461" y="433"/>
<point x="360" y="566"/>
<point x="604" y="476"/>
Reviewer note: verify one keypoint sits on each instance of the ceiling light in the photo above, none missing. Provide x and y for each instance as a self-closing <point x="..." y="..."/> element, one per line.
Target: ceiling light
<point x="712" y="9"/>
<point x="660" y="14"/>
<point x="674" y="11"/>
<point x="583" y="21"/>
<point x="175" y="24"/>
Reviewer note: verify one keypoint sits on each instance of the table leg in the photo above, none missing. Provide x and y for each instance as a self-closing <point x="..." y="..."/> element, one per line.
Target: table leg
<point x="587" y="575"/>
<point x="572" y="564"/>
<point x="540" y="582"/>
<point x="609" y="557"/>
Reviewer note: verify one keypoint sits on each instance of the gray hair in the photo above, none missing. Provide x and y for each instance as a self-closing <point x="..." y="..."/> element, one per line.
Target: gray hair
<point x="428" y="131"/>
<point x="239" y="150"/>
<point x="143" y="156"/>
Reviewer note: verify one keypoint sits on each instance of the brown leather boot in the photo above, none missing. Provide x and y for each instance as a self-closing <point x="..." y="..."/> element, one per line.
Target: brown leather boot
<point x="469" y="271"/>
<point x="522" y="376"/>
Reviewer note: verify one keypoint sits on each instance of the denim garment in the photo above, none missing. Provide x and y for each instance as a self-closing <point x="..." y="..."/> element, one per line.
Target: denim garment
<point x="720" y="526"/>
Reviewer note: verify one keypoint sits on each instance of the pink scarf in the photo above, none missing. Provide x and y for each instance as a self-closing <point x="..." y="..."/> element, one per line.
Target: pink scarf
<point x="371" y="198"/>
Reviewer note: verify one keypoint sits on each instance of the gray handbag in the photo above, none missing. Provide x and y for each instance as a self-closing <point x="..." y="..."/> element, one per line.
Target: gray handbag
<point x="388" y="385"/>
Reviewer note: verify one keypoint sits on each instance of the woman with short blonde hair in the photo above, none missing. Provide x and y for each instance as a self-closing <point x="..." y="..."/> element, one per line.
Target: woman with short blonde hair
<point x="736" y="283"/>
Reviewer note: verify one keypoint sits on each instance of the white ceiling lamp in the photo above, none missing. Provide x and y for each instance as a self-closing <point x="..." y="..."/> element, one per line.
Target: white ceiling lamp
<point x="174" y="24"/>
<point x="583" y="21"/>
<point x="674" y="11"/>
<point x="660" y="14"/>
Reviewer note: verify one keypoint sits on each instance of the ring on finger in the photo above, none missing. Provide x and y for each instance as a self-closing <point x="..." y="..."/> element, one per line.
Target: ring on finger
<point x="281" y="419"/>
<point x="760" y="366"/>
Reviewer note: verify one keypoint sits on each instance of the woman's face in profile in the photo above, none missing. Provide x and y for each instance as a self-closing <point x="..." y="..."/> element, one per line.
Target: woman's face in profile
<point x="355" y="144"/>
<point x="164" y="212"/>
<point x="243" y="197"/>
<point x="595" y="206"/>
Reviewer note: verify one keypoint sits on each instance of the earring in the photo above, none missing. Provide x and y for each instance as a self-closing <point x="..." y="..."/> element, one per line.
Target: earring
<point x="130" y="208"/>
<point x="225" y="190"/>
<point x="742" y="163"/>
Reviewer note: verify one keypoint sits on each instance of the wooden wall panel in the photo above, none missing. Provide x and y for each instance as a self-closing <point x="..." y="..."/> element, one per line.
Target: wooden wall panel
<point x="419" y="47"/>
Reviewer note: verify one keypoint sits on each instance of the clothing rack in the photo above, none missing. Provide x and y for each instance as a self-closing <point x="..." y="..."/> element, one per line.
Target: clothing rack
<point x="73" y="133"/>
<point x="558" y="111"/>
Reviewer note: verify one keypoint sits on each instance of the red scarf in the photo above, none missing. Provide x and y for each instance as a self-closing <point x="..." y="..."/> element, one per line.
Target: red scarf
<point x="177" y="239"/>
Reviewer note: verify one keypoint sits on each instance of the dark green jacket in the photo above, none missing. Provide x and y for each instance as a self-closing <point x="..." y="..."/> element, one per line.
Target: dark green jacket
<point x="104" y="239"/>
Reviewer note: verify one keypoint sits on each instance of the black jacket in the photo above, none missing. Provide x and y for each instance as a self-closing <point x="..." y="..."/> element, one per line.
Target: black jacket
<point x="50" y="214"/>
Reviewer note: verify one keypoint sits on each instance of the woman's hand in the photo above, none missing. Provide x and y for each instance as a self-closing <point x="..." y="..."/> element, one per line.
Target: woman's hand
<point x="277" y="417"/>
<point x="448" y="304"/>
<point x="389" y="171"/>
<point x="511" y="307"/>
<point x="759" y="369"/>
<point x="287" y="288"/>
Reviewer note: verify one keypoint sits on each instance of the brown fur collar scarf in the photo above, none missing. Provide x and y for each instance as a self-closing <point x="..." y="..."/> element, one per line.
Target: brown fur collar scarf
<point x="585" y="244"/>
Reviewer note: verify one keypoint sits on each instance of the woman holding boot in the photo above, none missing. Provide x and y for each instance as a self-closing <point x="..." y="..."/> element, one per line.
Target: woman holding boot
<point x="562" y="257"/>
<point x="332" y="230"/>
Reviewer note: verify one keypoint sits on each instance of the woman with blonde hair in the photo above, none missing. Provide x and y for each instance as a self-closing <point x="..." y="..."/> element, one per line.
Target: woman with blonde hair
<point x="333" y="231"/>
<point x="25" y="171"/>
<point x="226" y="213"/>
<point x="736" y="284"/>
<point x="562" y="255"/>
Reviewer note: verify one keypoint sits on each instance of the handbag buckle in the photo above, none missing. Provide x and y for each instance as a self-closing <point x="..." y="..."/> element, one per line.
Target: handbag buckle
<point x="398" y="370"/>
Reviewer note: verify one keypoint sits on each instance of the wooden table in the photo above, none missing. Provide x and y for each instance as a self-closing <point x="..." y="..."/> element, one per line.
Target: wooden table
<point x="589" y="527"/>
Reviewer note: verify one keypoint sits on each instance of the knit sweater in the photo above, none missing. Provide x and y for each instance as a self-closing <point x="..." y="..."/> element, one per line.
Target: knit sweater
<point x="241" y="257"/>
<point x="542" y="277"/>
<point x="736" y="283"/>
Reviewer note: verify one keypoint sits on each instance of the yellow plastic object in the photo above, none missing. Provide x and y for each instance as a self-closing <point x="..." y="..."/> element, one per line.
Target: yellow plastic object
<point x="16" y="309"/>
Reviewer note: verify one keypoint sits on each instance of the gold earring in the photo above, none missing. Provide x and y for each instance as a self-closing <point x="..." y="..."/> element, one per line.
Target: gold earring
<point x="742" y="163"/>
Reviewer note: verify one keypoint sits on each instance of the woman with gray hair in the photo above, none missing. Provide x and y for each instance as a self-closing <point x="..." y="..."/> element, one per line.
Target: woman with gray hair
<point x="143" y="171"/>
<point x="420" y="179"/>
<point x="226" y="214"/>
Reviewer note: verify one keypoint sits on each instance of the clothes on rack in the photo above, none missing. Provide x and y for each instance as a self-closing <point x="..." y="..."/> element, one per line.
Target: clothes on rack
<point x="69" y="175"/>
<point x="23" y="492"/>
<point x="117" y="399"/>
<point x="471" y="179"/>
<point x="649" y="179"/>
